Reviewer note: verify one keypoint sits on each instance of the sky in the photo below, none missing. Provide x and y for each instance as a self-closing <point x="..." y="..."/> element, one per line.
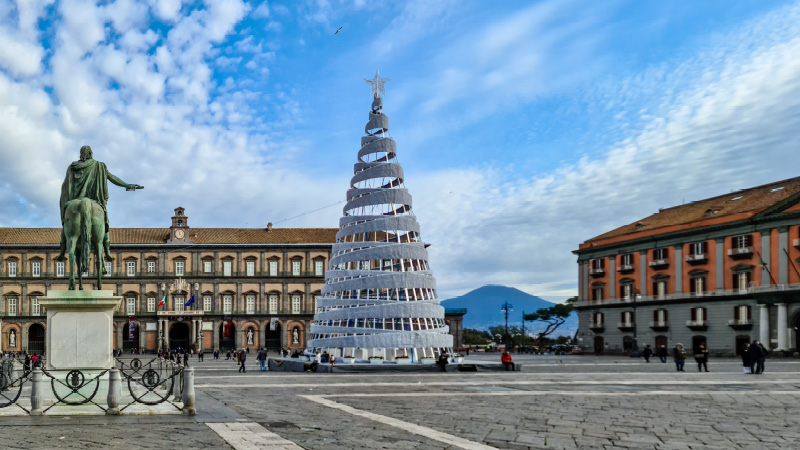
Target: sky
<point x="524" y="127"/>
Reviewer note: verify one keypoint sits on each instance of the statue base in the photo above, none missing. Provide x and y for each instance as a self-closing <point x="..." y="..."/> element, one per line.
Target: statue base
<point x="80" y="329"/>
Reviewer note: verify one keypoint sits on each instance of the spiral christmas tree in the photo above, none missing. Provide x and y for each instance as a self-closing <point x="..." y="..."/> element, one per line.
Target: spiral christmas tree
<point x="379" y="297"/>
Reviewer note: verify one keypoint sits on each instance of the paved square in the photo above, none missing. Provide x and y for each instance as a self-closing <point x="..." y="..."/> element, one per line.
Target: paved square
<point x="558" y="402"/>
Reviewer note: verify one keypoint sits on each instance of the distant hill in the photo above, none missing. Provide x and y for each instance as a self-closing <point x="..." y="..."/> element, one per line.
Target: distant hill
<point x="484" y="304"/>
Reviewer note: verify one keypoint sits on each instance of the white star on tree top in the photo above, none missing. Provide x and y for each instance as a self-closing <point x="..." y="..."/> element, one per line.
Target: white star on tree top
<point x="377" y="83"/>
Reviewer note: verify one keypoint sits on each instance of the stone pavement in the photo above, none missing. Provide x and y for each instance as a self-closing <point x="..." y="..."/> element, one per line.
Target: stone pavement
<point x="558" y="402"/>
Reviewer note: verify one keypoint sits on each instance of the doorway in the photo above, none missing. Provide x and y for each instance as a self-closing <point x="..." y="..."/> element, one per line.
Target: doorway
<point x="227" y="336"/>
<point x="697" y="341"/>
<point x="661" y="341"/>
<point x="598" y="345"/>
<point x="740" y="342"/>
<point x="627" y="344"/>
<point x="179" y="336"/>
<point x="130" y="339"/>
<point x="273" y="337"/>
<point x="36" y="339"/>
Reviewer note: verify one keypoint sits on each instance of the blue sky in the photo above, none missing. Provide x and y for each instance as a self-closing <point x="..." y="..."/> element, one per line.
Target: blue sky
<point x="524" y="127"/>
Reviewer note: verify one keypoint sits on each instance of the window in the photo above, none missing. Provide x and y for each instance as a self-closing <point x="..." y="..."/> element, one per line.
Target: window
<point x="12" y="269"/>
<point x="151" y="304"/>
<point x="36" y="308"/>
<point x="318" y="268"/>
<point x="295" y="268"/>
<point x="179" y="301"/>
<point x="36" y="268"/>
<point x="130" y="306"/>
<point x="314" y="298"/>
<point x="151" y="267"/>
<point x="698" y="248"/>
<point x="295" y="304"/>
<point x="273" y="304"/>
<point x="598" y="293"/>
<point x="741" y="281"/>
<point x="207" y="303"/>
<point x="660" y="317"/>
<point x="273" y="268"/>
<point x="365" y="265"/>
<point x="742" y="242"/>
<point x="741" y="314"/>
<point x="626" y="291"/>
<point x="699" y="316"/>
<point x="251" y="268"/>
<point x="660" y="288"/>
<point x="699" y="285"/>
<point x="660" y="253"/>
<point x="12" y="306"/>
<point x="109" y="267"/>
<point x="60" y="265"/>
<point x="227" y="304"/>
<point x="626" y="260"/>
<point x="598" y="264"/>
<point x="131" y="268"/>
<point x="227" y="268"/>
<point x="179" y="268"/>
<point x="206" y="266"/>
<point x="627" y="318"/>
<point x="250" y="304"/>
<point x="598" y="320"/>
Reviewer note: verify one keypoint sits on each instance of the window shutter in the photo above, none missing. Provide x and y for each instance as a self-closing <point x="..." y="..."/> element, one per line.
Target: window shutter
<point x="705" y="247"/>
<point x="666" y="315"/>
<point x="749" y="276"/>
<point x="694" y="314"/>
<point x="735" y="279"/>
<point x="705" y="314"/>
<point x="748" y="313"/>
<point x="691" y="249"/>
<point x="736" y="313"/>
<point x="602" y="263"/>
<point x="655" y="315"/>
<point x="665" y="253"/>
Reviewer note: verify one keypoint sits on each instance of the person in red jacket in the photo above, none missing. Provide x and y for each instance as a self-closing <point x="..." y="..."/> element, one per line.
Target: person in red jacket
<point x="508" y="361"/>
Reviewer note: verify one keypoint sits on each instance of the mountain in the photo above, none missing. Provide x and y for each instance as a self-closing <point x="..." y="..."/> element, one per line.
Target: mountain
<point x="484" y="309"/>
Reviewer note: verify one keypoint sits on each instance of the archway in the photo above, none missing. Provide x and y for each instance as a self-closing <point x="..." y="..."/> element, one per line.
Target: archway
<point x="697" y="341"/>
<point x="130" y="339"/>
<point x="661" y="341"/>
<point x="179" y="336"/>
<point x="741" y="340"/>
<point x="273" y="336"/>
<point x="227" y="336"/>
<point x="36" y="339"/>
<point x="598" y="345"/>
<point x="627" y="344"/>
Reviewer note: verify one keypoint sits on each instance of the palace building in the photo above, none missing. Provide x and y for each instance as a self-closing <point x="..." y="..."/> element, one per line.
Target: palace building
<point x="720" y="272"/>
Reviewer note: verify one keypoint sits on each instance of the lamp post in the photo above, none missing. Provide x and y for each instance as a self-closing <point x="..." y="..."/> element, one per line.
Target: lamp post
<point x="505" y="309"/>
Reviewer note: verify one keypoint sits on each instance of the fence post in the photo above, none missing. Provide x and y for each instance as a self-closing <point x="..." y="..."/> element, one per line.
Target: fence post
<point x="176" y="383"/>
<point x="114" y="392"/>
<point x="6" y="368"/>
<point x="36" y="392"/>
<point x="188" y="391"/>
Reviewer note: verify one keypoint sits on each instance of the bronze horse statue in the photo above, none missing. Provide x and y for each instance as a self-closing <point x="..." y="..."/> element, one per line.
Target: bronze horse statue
<point x="85" y="233"/>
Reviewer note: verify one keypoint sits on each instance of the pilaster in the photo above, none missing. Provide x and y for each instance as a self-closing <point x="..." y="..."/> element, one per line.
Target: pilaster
<point x="678" y="264"/>
<point x="720" y="264"/>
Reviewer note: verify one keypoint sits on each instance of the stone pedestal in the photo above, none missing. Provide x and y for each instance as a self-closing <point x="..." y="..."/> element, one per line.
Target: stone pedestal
<point x="80" y="326"/>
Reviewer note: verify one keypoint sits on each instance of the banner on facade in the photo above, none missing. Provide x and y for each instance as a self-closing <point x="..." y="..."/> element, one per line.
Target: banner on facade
<point x="133" y="325"/>
<point x="273" y="324"/>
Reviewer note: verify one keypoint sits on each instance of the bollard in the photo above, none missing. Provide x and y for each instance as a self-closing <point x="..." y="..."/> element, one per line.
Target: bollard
<point x="15" y="376"/>
<point x="6" y="369"/>
<point x="36" y="392"/>
<point x="176" y="383"/>
<point x="114" y="392"/>
<point x="188" y="391"/>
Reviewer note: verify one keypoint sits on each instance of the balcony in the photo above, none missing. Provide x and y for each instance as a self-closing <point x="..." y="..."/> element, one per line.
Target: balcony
<point x="597" y="272"/>
<point x="697" y="324"/>
<point x="625" y="268"/>
<point x="740" y="324"/>
<point x="740" y="252"/>
<point x="659" y="326"/>
<point x="698" y="258"/>
<point x="660" y="263"/>
<point x="597" y="327"/>
<point x="625" y="326"/>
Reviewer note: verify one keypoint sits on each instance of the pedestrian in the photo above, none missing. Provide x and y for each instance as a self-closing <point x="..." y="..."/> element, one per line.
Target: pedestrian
<point x="442" y="362"/>
<point x="316" y="362"/>
<point x="262" y="359"/>
<point x="178" y="359"/>
<point x="507" y="361"/>
<point x="764" y="354"/>
<point x="186" y="359"/>
<point x="702" y="358"/>
<point x="756" y="357"/>
<point x="228" y="355"/>
<point x="747" y="366"/>
<point x="679" y="354"/>
<point x="647" y="353"/>
<point x="241" y="359"/>
<point x="26" y="365"/>
<point x="662" y="353"/>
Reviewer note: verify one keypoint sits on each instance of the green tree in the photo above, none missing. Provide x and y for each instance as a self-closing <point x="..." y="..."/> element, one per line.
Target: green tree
<point x="553" y="317"/>
<point x="476" y="337"/>
<point x="514" y="337"/>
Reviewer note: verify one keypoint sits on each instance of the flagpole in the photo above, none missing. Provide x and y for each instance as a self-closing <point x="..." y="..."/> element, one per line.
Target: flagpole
<point x="789" y="258"/>
<point x="764" y="266"/>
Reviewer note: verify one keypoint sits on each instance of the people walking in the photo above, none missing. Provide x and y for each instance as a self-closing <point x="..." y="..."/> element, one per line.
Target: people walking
<point x="241" y="358"/>
<point x="662" y="353"/>
<point x="262" y="359"/>
<point x="507" y="361"/>
<point x="679" y="354"/>
<point x="747" y="366"/>
<point x="702" y="358"/>
<point x="756" y="356"/>
<point x="647" y="353"/>
<point x="764" y="354"/>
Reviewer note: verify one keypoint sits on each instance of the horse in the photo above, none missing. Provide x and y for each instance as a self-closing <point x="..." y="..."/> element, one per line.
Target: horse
<point x="84" y="231"/>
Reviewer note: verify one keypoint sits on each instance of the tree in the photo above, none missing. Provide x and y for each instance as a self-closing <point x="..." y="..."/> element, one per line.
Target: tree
<point x="554" y="316"/>
<point x="514" y="337"/>
<point x="476" y="337"/>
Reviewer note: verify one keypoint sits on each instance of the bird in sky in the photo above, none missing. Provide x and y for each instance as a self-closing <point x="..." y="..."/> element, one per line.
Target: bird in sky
<point x="337" y="31"/>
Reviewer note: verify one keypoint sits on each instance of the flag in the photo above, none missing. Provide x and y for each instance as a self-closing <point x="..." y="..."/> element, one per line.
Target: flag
<point x="189" y="302"/>
<point x="163" y="301"/>
<point x="762" y="263"/>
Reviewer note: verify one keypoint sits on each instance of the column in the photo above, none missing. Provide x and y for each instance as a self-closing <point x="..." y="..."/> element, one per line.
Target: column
<point x="585" y="279"/>
<point x="239" y="270"/>
<point x="719" y="267"/>
<point x="215" y="334"/>
<point x="783" y="258"/>
<point x="238" y="335"/>
<point x="310" y="302"/>
<point x="194" y="331"/>
<point x="763" y="326"/>
<point x="678" y="264"/>
<point x="781" y="326"/>
<point x="765" y="255"/>
<point x="612" y="288"/>
<point x="308" y="261"/>
<point x="159" y="343"/>
<point x="581" y="294"/>
<point x="643" y="273"/>
<point x="24" y="342"/>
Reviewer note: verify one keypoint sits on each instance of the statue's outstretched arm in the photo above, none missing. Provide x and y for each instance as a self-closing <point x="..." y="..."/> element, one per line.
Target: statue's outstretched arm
<point x="118" y="181"/>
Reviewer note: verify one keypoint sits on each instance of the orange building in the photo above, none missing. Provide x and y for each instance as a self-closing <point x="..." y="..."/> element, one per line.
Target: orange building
<point x="720" y="272"/>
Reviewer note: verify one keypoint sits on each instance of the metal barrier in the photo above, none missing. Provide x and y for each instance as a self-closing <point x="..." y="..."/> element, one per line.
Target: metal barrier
<point x="11" y="380"/>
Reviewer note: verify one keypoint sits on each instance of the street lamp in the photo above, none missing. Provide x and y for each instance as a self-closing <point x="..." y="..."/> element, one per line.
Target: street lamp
<point x="505" y="309"/>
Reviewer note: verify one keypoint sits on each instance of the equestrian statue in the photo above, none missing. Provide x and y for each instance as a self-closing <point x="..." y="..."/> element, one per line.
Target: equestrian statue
<point x="84" y="217"/>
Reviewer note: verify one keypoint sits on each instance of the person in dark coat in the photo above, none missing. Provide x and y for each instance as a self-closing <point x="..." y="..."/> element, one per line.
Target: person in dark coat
<point x="647" y="353"/>
<point x="746" y="364"/>
<point x="442" y="362"/>
<point x="756" y="355"/>
<point x="679" y="354"/>
<point x="242" y="357"/>
<point x="764" y="353"/>
<point x="662" y="353"/>
<point x="702" y="358"/>
<point x="262" y="359"/>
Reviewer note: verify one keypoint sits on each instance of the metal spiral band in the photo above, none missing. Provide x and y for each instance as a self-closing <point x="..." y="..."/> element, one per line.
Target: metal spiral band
<point x="379" y="291"/>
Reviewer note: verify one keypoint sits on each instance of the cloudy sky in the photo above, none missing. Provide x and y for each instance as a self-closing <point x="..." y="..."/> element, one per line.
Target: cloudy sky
<point x="524" y="127"/>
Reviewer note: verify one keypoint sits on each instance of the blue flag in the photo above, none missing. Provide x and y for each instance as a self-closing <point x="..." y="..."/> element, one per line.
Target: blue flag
<point x="189" y="302"/>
